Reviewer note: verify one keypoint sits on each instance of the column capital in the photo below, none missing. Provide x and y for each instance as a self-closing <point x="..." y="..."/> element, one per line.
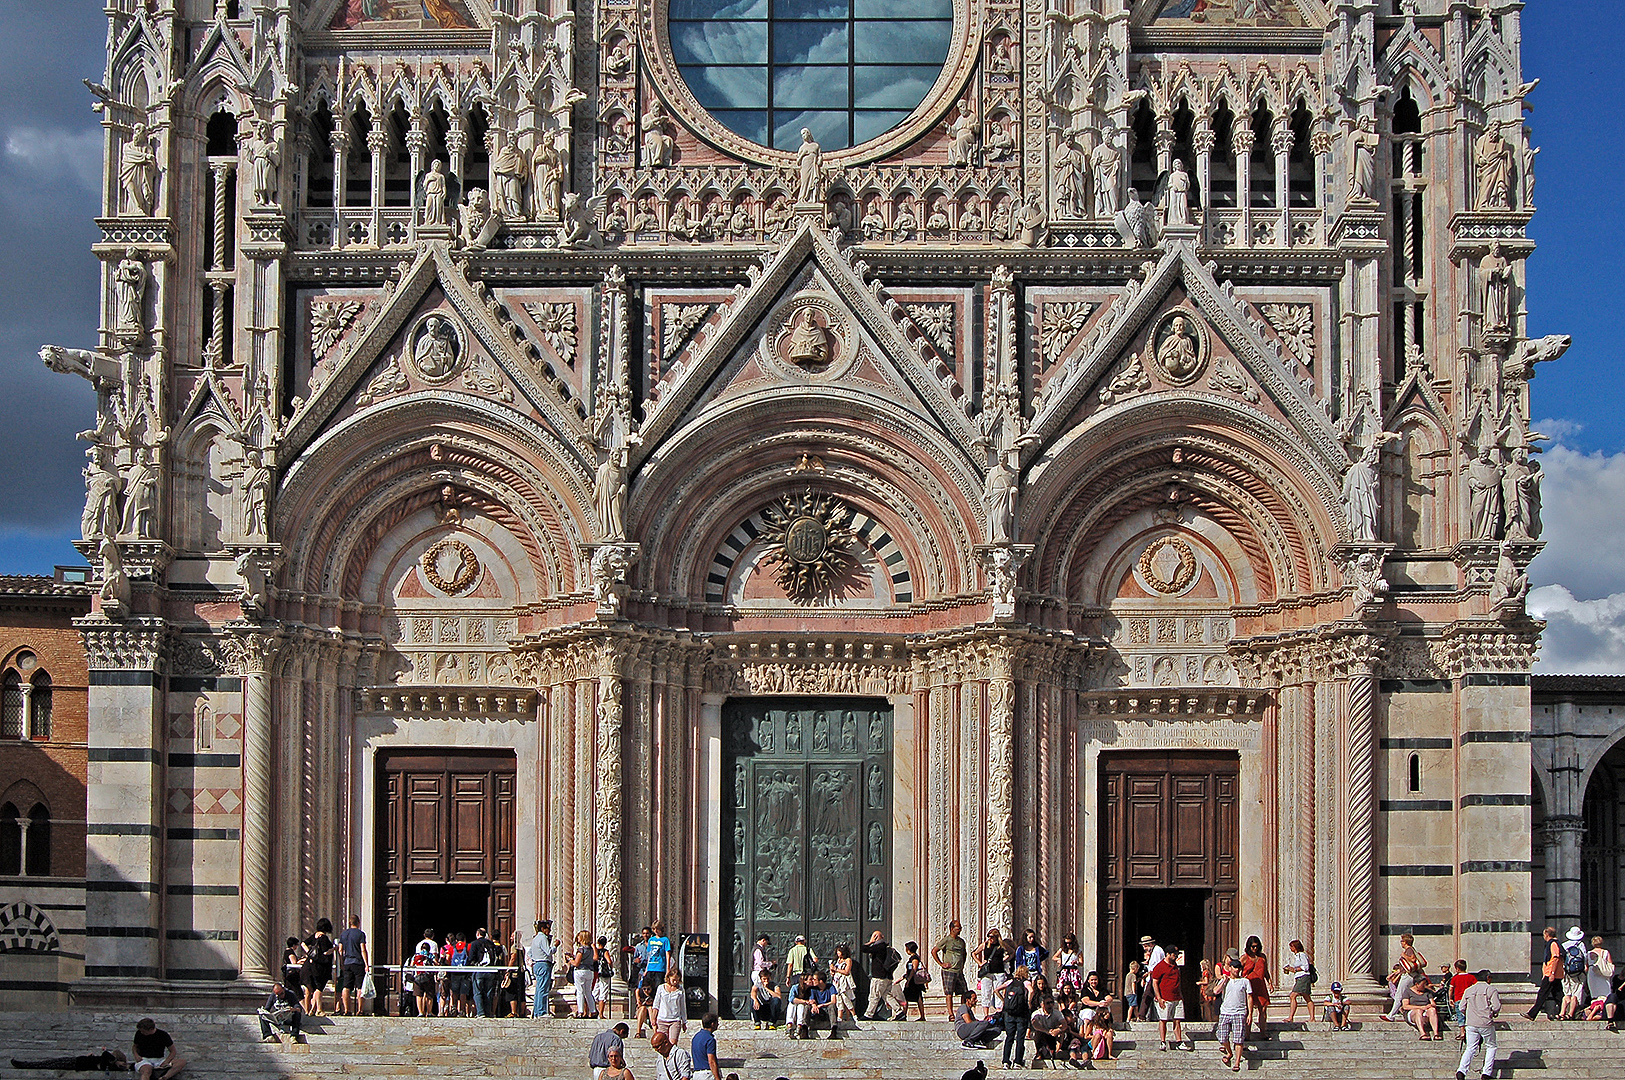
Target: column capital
<point x="251" y="647"/>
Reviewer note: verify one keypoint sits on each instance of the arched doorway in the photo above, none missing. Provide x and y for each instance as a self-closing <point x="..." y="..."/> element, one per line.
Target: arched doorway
<point x="1602" y="851"/>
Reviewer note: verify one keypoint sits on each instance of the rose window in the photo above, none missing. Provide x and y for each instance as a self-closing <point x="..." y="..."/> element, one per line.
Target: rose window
<point x="848" y="70"/>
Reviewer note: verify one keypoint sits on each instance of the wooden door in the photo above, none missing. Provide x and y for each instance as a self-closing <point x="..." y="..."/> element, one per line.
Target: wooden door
<point x="1171" y="822"/>
<point x="444" y="819"/>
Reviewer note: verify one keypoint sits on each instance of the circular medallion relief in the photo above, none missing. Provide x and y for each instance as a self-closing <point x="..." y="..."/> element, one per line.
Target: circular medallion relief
<point x="435" y="347"/>
<point x="849" y="71"/>
<point x="812" y="338"/>
<point x="1167" y="565"/>
<point x="1179" y="347"/>
<point x="450" y="566"/>
<point x="805" y="540"/>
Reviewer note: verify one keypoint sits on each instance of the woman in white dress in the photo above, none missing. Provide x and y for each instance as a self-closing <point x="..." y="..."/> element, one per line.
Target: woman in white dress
<point x="1599" y="970"/>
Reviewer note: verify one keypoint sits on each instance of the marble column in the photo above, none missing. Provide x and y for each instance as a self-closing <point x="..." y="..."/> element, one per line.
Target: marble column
<point x="1001" y="693"/>
<point x="607" y="821"/>
<point x="1563" y="836"/>
<point x="1359" y="817"/>
<point x="254" y="649"/>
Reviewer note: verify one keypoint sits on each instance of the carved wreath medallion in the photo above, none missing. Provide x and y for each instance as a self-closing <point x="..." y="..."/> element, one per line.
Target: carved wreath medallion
<point x="435" y="349"/>
<point x="450" y="566"/>
<point x="1168" y="565"/>
<point x="808" y="542"/>
<point x="812" y="339"/>
<point x="1179" y="347"/>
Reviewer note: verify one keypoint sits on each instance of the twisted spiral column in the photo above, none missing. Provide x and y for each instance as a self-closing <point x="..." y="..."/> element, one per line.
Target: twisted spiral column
<point x="254" y="652"/>
<point x="1359" y="868"/>
<point x="607" y="869"/>
<point x="1001" y="691"/>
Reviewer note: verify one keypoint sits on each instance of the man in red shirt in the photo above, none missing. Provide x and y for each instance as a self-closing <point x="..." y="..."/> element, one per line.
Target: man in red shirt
<point x="1459" y="982"/>
<point x="1170" y="998"/>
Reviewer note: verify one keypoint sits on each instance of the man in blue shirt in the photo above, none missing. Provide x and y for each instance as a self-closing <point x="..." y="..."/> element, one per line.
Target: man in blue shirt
<point x="704" y="1050"/>
<point x="541" y="950"/>
<point x="598" y="1053"/>
<point x="658" y="949"/>
<point x="353" y="965"/>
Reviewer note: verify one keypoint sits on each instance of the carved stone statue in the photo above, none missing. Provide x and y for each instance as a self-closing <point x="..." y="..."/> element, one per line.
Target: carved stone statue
<point x="1000" y="494"/>
<point x="962" y="136"/>
<point x="264" y="162"/>
<point x="546" y="180"/>
<point x="610" y="566"/>
<point x="480" y="220"/>
<point x="1106" y="164"/>
<point x="1360" y="495"/>
<point x="1001" y="139"/>
<point x="1510" y="588"/>
<point x="1520" y="490"/>
<point x="1363" y="144"/>
<point x="130" y="287"/>
<point x="1030" y="220"/>
<point x="609" y="495"/>
<point x="115" y="591"/>
<point x="434" y="194"/>
<point x="809" y="342"/>
<point x="508" y="172"/>
<point x="1137" y="223"/>
<point x="1068" y="171"/>
<point x="1177" y="207"/>
<point x="138" y="172"/>
<point x="809" y="166"/>
<point x="1484" y="495"/>
<point x="256" y="491"/>
<point x="102" y="489"/>
<point x="1492" y="164"/>
<point x="1496" y="274"/>
<point x="141" y="501"/>
<point x="579" y="215"/>
<point x="1365" y="574"/>
<point x="658" y="147"/>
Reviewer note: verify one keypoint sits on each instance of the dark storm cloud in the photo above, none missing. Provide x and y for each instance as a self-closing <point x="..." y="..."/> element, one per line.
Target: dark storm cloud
<point x="50" y="151"/>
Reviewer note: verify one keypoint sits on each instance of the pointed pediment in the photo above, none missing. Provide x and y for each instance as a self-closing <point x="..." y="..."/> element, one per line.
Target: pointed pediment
<point x="469" y="343"/>
<point x="1128" y="351"/>
<point x="211" y="400"/>
<point x="220" y="47"/>
<point x="811" y="318"/>
<point x="1416" y="392"/>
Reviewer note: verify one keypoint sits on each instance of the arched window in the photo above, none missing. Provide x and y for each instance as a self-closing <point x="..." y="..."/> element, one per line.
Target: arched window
<point x="39" y="706"/>
<point x="11" y="841"/>
<point x="11" y="706"/>
<point x="1416" y="772"/>
<point x="1223" y="166"/>
<point x="37" y="842"/>
<point x="1263" y="158"/>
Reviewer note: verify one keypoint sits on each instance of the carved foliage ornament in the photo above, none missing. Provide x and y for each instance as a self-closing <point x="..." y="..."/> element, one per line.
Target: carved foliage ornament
<point x="1168" y="565"/>
<point x="808" y="544"/>
<point x="450" y="566"/>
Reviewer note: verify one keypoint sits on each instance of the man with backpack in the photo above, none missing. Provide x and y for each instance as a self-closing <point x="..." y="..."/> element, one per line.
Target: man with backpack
<point x="1575" y="963"/>
<point x="883" y="964"/>
<point x="484" y="953"/>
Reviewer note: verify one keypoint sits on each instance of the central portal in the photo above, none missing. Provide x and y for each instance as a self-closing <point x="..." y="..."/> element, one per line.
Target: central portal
<point x="806" y="829"/>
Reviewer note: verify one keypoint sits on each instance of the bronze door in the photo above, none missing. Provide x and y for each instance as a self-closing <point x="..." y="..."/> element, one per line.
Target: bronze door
<point x="446" y="846"/>
<point x="1168" y="856"/>
<point x="806" y="829"/>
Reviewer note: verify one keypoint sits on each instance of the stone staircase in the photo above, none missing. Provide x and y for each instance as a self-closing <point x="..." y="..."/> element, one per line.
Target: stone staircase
<point x="228" y="1048"/>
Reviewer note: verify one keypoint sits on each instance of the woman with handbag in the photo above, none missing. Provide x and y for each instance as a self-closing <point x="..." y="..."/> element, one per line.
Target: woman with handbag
<point x="916" y="977"/>
<point x="990" y="976"/>
<point x="1599" y="971"/>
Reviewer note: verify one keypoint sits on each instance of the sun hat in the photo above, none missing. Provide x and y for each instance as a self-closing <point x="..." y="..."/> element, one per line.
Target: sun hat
<point x="1575" y="934"/>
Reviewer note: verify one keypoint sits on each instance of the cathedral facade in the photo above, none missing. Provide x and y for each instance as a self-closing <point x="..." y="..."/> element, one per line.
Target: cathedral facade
<point x="809" y="467"/>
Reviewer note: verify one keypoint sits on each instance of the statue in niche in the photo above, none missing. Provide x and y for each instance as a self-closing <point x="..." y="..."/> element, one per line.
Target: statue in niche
<point x="264" y="161"/>
<point x="141" y="504"/>
<point x="658" y="147"/>
<point x="877" y="788"/>
<point x="792" y="733"/>
<point x="102" y="488"/>
<point x="130" y="293"/>
<point x="609" y="494"/>
<point x="876" y="843"/>
<point x="877" y="899"/>
<point x="1001" y="139"/>
<point x="1069" y="171"/>
<point x="820" y="743"/>
<point x="962" y="136"/>
<point x="809" y="167"/>
<point x="434" y="194"/>
<point x="764" y="736"/>
<point x="1363" y="143"/>
<point x="739" y="783"/>
<point x="547" y="180"/>
<point x="1520" y="490"/>
<point x="1030" y="221"/>
<point x="1000" y="493"/>
<point x="1493" y="167"/>
<point x="849" y="732"/>
<point x="877" y="735"/>
<point x="739" y="898"/>
<point x="1106" y="165"/>
<point x="1360" y="495"/>
<point x="1177" y="207"/>
<point x="739" y="950"/>
<point x="437" y="353"/>
<point x="1484" y="478"/>
<point x="1495" y="271"/>
<point x="138" y="172"/>
<point x="1002" y="60"/>
<point x="739" y="842"/>
<point x="509" y="170"/>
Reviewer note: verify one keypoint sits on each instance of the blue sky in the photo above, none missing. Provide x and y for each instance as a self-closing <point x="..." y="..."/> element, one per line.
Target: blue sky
<point x="50" y="150"/>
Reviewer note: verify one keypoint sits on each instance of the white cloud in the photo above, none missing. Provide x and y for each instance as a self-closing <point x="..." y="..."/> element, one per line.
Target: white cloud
<point x="53" y="153"/>
<point x="1558" y="428"/>
<point x="1583" y="513"/>
<point x="1583" y="637"/>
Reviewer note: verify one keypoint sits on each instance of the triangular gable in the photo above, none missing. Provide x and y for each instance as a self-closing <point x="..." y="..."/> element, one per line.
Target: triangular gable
<point x="209" y="398"/>
<point x="1410" y="48"/>
<point x="1259" y="355"/>
<point x="906" y="354"/>
<point x="1416" y="391"/>
<point x="140" y="44"/>
<point x="220" y="47"/>
<point x="485" y="318"/>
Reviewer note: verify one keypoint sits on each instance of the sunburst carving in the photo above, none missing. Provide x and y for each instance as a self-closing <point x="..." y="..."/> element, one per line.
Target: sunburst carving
<point x="809" y="543"/>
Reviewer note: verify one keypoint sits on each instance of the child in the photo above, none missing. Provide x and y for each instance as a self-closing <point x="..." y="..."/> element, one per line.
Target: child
<point x="1337" y="1008"/>
<point x="1459" y="982"/>
<point x="1131" y="988"/>
<point x="1100" y="1034"/>
<point x="1233" y="994"/>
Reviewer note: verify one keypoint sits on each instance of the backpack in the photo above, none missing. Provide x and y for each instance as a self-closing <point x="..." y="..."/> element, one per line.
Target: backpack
<point x="459" y="956"/>
<point x="1314" y="976"/>
<point x="1574" y="959"/>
